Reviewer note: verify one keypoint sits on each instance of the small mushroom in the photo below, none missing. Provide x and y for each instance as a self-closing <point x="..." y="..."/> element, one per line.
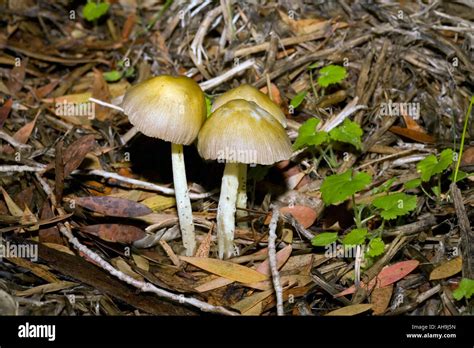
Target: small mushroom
<point x="248" y="93"/>
<point x="172" y="109"/>
<point x="239" y="133"/>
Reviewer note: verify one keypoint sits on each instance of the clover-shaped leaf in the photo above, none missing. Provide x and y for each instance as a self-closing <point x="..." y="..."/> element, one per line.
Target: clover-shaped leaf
<point x="331" y="74"/>
<point x="394" y="205"/>
<point x="337" y="188"/>
<point x="348" y="132"/>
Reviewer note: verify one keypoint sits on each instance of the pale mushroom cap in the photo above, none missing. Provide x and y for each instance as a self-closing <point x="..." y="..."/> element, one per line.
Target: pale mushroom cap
<point x="250" y="93"/>
<point x="240" y="131"/>
<point x="167" y="107"/>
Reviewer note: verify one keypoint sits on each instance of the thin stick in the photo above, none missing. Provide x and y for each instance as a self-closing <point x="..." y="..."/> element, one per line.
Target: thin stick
<point x="272" y="260"/>
<point x="141" y="184"/>
<point x="108" y="105"/>
<point x="20" y="169"/>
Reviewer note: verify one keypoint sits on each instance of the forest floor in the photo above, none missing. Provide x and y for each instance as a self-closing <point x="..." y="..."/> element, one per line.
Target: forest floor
<point x="371" y="215"/>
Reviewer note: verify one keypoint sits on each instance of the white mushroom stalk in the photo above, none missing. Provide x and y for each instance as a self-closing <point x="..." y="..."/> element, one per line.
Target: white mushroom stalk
<point x="183" y="203"/>
<point x="172" y="109"/>
<point x="239" y="133"/>
<point x="226" y="210"/>
<point x="242" y="196"/>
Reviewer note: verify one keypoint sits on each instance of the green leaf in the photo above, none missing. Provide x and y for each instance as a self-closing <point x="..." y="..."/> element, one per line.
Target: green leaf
<point x="355" y="237"/>
<point x="337" y="188"/>
<point x="348" y="132"/>
<point x="394" y="205"/>
<point x="298" y="99"/>
<point x="430" y="165"/>
<point x="314" y="65"/>
<point x="331" y="74"/>
<point x="324" y="239"/>
<point x="465" y="289"/>
<point x="93" y="10"/>
<point x="436" y="191"/>
<point x="112" y="76"/>
<point x="309" y="136"/>
<point x="412" y="184"/>
<point x="208" y="105"/>
<point x="385" y="186"/>
<point x="376" y="247"/>
<point x="461" y="175"/>
<point x="129" y="71"/>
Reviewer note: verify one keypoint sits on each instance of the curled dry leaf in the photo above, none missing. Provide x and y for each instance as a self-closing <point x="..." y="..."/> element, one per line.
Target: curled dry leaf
<point x="113" y="206"/>
<point x="115" y="232"/>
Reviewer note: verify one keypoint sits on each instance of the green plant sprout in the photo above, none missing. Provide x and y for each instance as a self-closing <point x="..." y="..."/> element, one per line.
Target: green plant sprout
<point x="463" y="137"/>
<point x="465" y="289"/>
<point x="115" y="75"/>
<point x="94" y="10"/>
<point x="308" y="136"/>
<point x="340" y="187"/>
<point x="432" y="166"/>
<point x="329" y="75"/>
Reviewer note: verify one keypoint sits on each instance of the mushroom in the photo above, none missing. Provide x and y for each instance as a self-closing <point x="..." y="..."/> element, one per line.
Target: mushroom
<point x="248" y="93"/>
<point x="239" y="133"/>
<point x="172" y="109"/>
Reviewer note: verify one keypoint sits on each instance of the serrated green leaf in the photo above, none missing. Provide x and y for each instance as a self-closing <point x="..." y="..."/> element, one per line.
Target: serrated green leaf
<point x="93" y="10"/>
<point x="394" y="205"/>
<point x="324" y="239"/>
<point x="412" y="184"/>
<point x="309" y="136"/>
<point x="112" y="76"/>
<point x="376" y="247"/>
<point x="337" y="188"/>
<point x="348" y="132"/>
<point x="355" y="237"/>
<point x="298" y="99"/>
<point x="331" y="74"/>
<point x="465" y="289"/>
<point x="430" y="165"/>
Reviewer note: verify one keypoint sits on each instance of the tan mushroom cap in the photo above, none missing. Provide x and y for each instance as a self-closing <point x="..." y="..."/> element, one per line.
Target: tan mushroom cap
<point x="241" y="131"/>
<point x="250" y="93"/>
<point x="167" y="107"/>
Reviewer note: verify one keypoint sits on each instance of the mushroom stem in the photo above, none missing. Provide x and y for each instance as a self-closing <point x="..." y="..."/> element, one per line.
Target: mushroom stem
<point x="183" y="203"/>
<point x="226" y="210"/>
<point x="242" y="195"/>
